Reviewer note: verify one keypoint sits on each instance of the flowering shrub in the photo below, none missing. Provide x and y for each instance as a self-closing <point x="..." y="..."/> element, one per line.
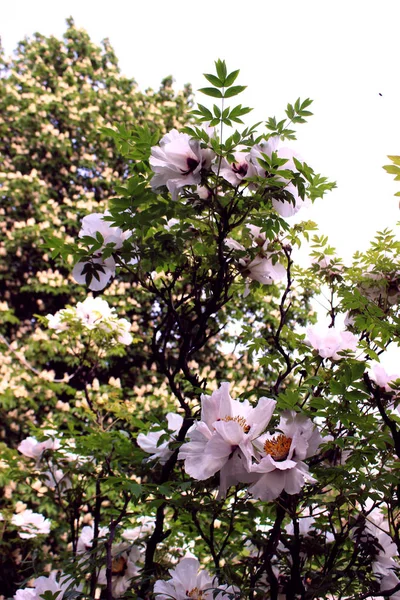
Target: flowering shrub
<point x="151" y="478"/>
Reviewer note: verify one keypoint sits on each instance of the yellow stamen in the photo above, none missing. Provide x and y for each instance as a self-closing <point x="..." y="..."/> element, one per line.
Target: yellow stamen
<point x="278" y="448"/>
<point x="118" y="565"/>
<point x="240" y="420"/>
<point x="195" y="593"/>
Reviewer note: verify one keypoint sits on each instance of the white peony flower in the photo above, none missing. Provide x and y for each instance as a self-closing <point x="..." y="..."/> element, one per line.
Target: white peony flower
<point x="377" y="526"/>
<point x="149" y="442"/>
<point x="187" y="582"/>
<point x="92" y="224"/>
<point x="58" y="321"/>
<point x="95" y="223"/>
<point x="146" y="527"/>
<point x="379" y="375"/>
<point x="103" y="276"/>
<point x="222" y="439"/>
<point x="284" y="208"/>
<point x="281" y="467"/>
<point x="93" y="311"/>
<point x="389" y="582"/>
<point x="85" y="540"/>
<point x="48" y="584"/>
<point x="178" y="161"/>
<point x="124" y="568"/>
<point x="329" y="341"/>
<point x="31" y="524"/>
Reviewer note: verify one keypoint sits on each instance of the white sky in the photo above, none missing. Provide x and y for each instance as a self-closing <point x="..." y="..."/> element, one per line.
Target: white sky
<point x="343" y="54"/>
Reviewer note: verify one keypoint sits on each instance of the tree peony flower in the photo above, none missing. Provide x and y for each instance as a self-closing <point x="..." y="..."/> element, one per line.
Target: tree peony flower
<point x="187" y="582"/>
<point x="378" y="527"/>
<point x="33" y="449"/>
<point x="91" y="225"/>
<point x="124" y="568"/>
<point x="178" y="161"/>
<point x="149" y="442"/>
<point x="284" y="208"/>
<point x="95" y="223"/>
<point x="389" y="582"/>
<point x="262" y="268"/>
<point x="48" y="584"/>
<point x="85" y="540"/>
<point x="146" y="527"/>
<point x="379" y="375"/>
<point x="31" y="524"/>
<point x="329" y="341"/>
<point x="95" y="313"/>
<point x="237" y="171"/>
<point x="104" y="275"/>
<point x="222" y="439"/>
<point x="281" y="467"/>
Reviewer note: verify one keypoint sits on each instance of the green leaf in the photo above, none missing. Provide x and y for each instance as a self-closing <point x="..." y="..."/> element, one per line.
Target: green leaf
<point x="213" y="79"/>
<point x="205" y="111"/>
<point x="220" y="65"/>
<point x="234" y="91"/>
<point x="215" y="93"/>
<point x="231" y="78"/>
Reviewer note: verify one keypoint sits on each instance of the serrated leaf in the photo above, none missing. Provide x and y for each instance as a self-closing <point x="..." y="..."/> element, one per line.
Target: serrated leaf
<point x="214" y="92"/>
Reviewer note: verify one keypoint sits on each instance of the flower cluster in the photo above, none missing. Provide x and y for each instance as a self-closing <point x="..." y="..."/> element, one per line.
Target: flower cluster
<point x="179" y="161"/>
<point x="230" y="439"/>
<point x="92" y="313"/>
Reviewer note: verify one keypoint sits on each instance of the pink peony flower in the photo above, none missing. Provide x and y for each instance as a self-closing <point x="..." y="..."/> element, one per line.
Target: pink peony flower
<point x="379" y="375"/>
<point x="222" y="439"/>
<point x="236" y="172"/>
<point x="281" y="467"/>
<point x="329" y="341"/>
<point x="178" y="161"/>
<point x="262" y="268"/>
<point x="33" y="449"/>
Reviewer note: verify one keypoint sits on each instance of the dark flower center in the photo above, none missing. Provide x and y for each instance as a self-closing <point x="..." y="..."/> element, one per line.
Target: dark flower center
<point x="240" y="169"/>
<point x="192" y="164"/>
